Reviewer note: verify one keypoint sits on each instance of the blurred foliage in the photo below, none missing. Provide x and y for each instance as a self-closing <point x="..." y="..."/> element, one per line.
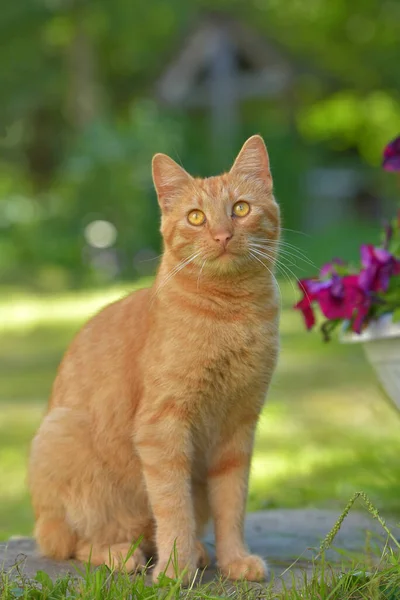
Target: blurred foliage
<point x="79" y="121"/>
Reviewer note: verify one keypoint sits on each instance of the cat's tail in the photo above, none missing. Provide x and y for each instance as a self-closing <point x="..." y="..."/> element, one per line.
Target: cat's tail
<point x="54" y="536"/>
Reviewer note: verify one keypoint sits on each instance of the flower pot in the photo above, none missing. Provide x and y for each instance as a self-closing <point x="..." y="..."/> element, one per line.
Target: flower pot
<point x="381" y="343"/>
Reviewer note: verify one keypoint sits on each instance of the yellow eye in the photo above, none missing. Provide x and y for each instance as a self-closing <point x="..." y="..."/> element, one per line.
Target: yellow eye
<point x="241" y="209"/>
<point x="196" y="217"/>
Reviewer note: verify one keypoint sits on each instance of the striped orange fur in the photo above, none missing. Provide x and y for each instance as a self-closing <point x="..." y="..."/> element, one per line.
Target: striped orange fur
<point x="150" y="426"/>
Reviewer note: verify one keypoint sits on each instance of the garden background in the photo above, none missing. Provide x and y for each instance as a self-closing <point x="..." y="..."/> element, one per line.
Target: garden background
<point x="89" y="91"/>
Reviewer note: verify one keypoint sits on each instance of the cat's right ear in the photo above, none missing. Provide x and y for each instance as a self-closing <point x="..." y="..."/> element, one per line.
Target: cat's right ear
<point x="168" y="178"/>
<point x="252" y="162"/>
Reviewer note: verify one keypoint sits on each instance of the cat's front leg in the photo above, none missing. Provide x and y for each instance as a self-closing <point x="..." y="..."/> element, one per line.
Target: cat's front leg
<point x="164" y="444"/>
<point x="228" y="482"/>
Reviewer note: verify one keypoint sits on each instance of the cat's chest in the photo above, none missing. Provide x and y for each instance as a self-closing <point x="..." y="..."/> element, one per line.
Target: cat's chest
<point x="204" y="361"/>
<point x="228" y="360"/>
<point x="224" y="359"/>
<point x="230" y="382"/>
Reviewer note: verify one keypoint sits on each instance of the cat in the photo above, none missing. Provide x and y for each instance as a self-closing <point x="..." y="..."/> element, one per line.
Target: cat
<point x="150" y="426"/>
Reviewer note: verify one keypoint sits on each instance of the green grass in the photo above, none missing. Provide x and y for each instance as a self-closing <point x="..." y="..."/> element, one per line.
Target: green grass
<point x="326" y="431"/>
<point x="377" y="577"/>
<point x="102" y="584"/>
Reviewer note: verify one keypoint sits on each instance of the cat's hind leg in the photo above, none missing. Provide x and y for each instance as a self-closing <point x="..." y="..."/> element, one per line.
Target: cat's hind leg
<point x="81" y="508"/>
<point x="116" y="556"/>
<point x="54" y="536"/>
<point x="51" y="472"/>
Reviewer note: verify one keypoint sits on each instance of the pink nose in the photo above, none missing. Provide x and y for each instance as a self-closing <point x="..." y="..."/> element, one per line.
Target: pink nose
<point x="222" y="237"/>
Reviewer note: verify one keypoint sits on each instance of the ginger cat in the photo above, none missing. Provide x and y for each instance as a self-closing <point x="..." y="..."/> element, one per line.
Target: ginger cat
<point x="151" y="422"/>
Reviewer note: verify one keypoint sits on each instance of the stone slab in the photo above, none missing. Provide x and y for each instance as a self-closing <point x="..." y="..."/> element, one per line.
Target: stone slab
<point x="280" y="536"/>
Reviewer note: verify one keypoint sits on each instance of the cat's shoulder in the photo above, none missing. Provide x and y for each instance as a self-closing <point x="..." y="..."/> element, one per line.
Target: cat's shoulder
<point x="119" y="316"/>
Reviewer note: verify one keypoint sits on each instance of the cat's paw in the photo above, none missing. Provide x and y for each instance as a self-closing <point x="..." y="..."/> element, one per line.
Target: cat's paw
<point x="250" y="567"/>
<point x="203" y="558"/>
<point x="115" y="557"/>
<point x="185" y="571"/>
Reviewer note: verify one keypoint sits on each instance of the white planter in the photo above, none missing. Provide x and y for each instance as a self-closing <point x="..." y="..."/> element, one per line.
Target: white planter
<point x="381" y="343"/>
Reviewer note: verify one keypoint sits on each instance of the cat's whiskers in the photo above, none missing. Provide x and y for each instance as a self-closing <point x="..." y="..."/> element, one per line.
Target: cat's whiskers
<point x="274" y="253"/>
<point x="286" y="248"/>
<point x="252" y="255"/>
<point x="284" y="269"/>
<point x="295" y="231"/>
<point x="174" y="271"/>
<point x="278" y="252"/>
<point x="152" y="258"/>
<point x="272" y="257"/>
<point x="284" y="244"/>
<point x="286" y="253"/>
<point x="201" y="270"/>
<point x="291" y="272"/>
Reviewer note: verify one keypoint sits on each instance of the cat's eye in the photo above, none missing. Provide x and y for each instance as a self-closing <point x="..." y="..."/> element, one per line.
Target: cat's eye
<point x="196" y="217"/>
<point x="241" y="209"/>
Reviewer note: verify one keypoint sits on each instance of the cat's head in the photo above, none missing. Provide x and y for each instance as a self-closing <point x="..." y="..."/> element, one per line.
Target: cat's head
<point x="223" y="223"/>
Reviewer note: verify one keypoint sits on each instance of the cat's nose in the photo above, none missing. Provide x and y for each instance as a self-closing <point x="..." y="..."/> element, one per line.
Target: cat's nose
<point x="223" y="237"/>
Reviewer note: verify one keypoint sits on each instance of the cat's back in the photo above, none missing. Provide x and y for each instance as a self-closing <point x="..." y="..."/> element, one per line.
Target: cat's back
<point x="102" y="358"/>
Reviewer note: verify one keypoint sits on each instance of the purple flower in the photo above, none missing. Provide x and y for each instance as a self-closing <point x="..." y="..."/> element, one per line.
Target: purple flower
<point x="391" y="156"/>
<point x="343" y="295"/>
<point x="344" y="299"/>
<point x="339" y="298"/>
<point x="378" y="267"/>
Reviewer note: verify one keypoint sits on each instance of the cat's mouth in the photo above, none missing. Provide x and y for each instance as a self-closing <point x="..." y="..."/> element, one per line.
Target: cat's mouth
<point x="226" y="256"/>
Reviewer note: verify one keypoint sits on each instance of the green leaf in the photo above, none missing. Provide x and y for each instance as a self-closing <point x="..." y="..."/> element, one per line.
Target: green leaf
<point x="44" y="579"/>
<point x="17" y="592"/>
<point x="60" y="589"/>
<point x="164" y="581"/>
<point x="396" y="315"/>
<point x="342" y="269"/>
<point x="34" y="594"/>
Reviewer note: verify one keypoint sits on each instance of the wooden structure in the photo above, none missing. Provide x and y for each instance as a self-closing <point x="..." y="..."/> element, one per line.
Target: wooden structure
<point x="222" y="63"/>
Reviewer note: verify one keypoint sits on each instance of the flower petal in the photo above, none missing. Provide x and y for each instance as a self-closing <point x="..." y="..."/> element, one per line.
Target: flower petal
<point x="305" y="306"/>
<point x="391" y="156"/>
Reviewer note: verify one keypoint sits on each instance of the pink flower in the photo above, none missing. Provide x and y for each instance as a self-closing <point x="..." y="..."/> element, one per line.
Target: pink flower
<point x="343" y="295"/>
<point x="345" y="300"/>
<point x="305" y="304"/>
<point x="339" y="298"/>
<point x="391" y="156"/>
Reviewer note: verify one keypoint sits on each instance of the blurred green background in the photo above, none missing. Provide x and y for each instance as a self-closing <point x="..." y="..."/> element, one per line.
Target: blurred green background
<point x="89" y="91"/>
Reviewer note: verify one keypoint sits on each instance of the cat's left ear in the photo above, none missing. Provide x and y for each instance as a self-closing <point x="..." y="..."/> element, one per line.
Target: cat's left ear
<point x="252" y="161"/>
<point x="168" y="178"/>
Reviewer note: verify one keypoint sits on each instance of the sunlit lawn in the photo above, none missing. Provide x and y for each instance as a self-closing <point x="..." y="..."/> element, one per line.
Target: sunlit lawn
<point x="326" y="431"/>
